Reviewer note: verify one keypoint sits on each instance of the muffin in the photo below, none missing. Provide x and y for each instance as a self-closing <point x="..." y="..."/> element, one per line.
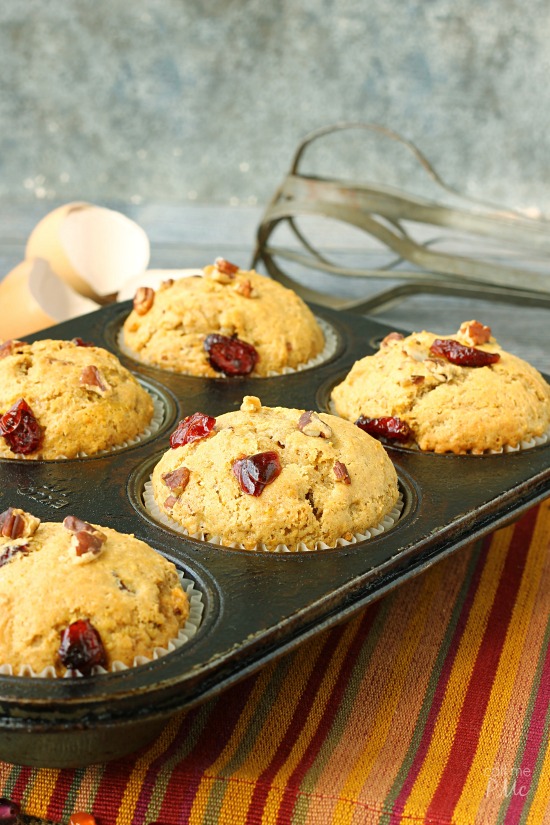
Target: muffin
<point x="226" y="322"/>
<point x="270" y="477"/>
<point x="453" y="394"/>
<point x="66" y="398"/>
<point x="75" y="596"/>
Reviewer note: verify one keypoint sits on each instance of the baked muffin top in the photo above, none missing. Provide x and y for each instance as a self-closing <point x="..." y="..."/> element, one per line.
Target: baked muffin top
<point x="75" y="595"/>
<point x="227" y="322"/>
<point x="460" y="393"/>
<point x="65" y="398"/>
<point x="271" y="476"/>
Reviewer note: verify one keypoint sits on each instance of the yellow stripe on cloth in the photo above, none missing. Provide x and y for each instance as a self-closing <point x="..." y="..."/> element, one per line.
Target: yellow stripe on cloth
<point x="269" y="736"/>
<point x="445" y="727"/>
<point x="139" y="772"/>
<point x="504" y="684"/>
<point x="360" y="705"/>
<point x="539" y="811"/>
<point x="448" y="576"/>
<point x="395" y="681"/>
<point x="313" y="721"/>
<point x="38" y="793"/>
<point x="210" y="779"/>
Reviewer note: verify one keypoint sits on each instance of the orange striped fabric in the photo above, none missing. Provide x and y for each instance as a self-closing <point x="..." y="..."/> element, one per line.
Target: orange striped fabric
<point x="430" y="706"/>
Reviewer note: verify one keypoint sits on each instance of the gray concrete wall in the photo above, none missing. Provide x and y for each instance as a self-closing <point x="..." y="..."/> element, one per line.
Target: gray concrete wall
<point x="189" y="100"/>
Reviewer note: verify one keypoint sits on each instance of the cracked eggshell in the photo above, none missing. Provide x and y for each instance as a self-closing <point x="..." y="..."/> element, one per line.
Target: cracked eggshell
<point x="93" y="249"/>
<point x="36" y="299"/>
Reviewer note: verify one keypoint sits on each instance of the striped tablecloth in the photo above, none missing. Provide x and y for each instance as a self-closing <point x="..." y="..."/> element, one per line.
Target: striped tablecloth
<point x="430" y="706"/>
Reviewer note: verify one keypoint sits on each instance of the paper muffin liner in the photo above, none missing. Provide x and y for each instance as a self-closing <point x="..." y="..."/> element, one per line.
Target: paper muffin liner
<point x="331" y="343"/>
<point x="159" y="414"/>
<point x="386" y="524"/>
<point x="196" y="607"/>
<point x="535" y="441"/>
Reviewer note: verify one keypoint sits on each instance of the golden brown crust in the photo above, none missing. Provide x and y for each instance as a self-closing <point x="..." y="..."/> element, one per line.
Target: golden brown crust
<point x="254" y="308"/>
<point x="130" y="593"/>
<point x="450" y="408"/>
<point x="83" y="398"/>
<point x="308" y="502"/>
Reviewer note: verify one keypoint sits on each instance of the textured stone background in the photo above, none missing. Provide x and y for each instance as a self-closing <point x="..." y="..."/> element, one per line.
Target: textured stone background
<point x="205" y="100"/>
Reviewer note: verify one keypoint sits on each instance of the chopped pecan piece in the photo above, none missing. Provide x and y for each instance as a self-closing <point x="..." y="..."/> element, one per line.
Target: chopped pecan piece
<point x="310" y="423"/>
<point x="8" y="346"/>
<point x="75" y="525"/>
<point x="177" y="480"/>
<point x="16" y="523"/>
<point x="223" y="265"/>
<point x="251" y="404"/>
<point x="476" y="332"/>
<point x="341" y="472"/>
<point x="91" y="379"/>
<point x="144" y="299"/>
<point x="418" y="379"/>
<point x="391" y="336"/>
<point x="87" y="545"/>
<point x="243" y="287"/>
<point x="166" y="284"/>
<point x="169" y="503"/>
<point x="78" y="342"/>
<point x="87" y="539"/>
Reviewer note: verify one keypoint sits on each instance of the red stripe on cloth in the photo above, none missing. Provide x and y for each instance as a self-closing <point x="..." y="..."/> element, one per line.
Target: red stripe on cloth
<point x="263" y="782"/>
<point x="155" y="769"/>
<point x="479" y="688"/>
<point x="439" y="693"/>
<point x="21" y="784"/>
<point x="527" y="772"/>
<point x="112" y="787"/>
<point x="188" y="774"/>
<point x="294" y="781"/>
<point x="63" y="785"/>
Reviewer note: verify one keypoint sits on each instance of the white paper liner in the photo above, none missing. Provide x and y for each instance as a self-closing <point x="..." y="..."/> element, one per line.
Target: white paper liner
<point x="159" y="412"/>
<point x="386" y="524"/>
<point x="331" y="343"/>
<point x="196" y="607"/>
<point x="536" y="441"/>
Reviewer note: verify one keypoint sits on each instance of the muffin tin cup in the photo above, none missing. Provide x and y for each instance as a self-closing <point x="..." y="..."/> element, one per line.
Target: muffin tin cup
<point x="328" y="352"/>
<point x="159" y="418"/>
<point x="389" y="521"/>
<point x="535" y="441"/>
<point x="186" y="633"/>
<point x="257" y="606"/>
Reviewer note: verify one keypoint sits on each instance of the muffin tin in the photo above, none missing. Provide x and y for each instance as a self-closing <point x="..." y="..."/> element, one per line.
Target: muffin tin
<point x="257" y="605"/>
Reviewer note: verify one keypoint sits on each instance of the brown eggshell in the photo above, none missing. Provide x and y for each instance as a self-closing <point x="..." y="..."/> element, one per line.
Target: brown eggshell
<point x="93" y="249"/>
<point x="33" y="298"/>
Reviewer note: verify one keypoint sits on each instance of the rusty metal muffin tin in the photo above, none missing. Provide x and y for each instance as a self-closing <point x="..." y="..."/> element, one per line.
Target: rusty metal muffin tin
<point x="257" y="605"/>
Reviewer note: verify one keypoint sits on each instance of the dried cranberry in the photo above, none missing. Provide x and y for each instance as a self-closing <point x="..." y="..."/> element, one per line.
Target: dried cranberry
<point x="10" y="812"/>
<point x="7" y="554"/>
<point x="81" y="647"/>
<point x="80" y="343"/>
<point x="230" y="355"/>
<point x="254" y="472"/>
<point x="390" y="427"/>
<point x="464" y="356"/>
<point x="20" y="428"/>
<point x="192" y="428"/>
